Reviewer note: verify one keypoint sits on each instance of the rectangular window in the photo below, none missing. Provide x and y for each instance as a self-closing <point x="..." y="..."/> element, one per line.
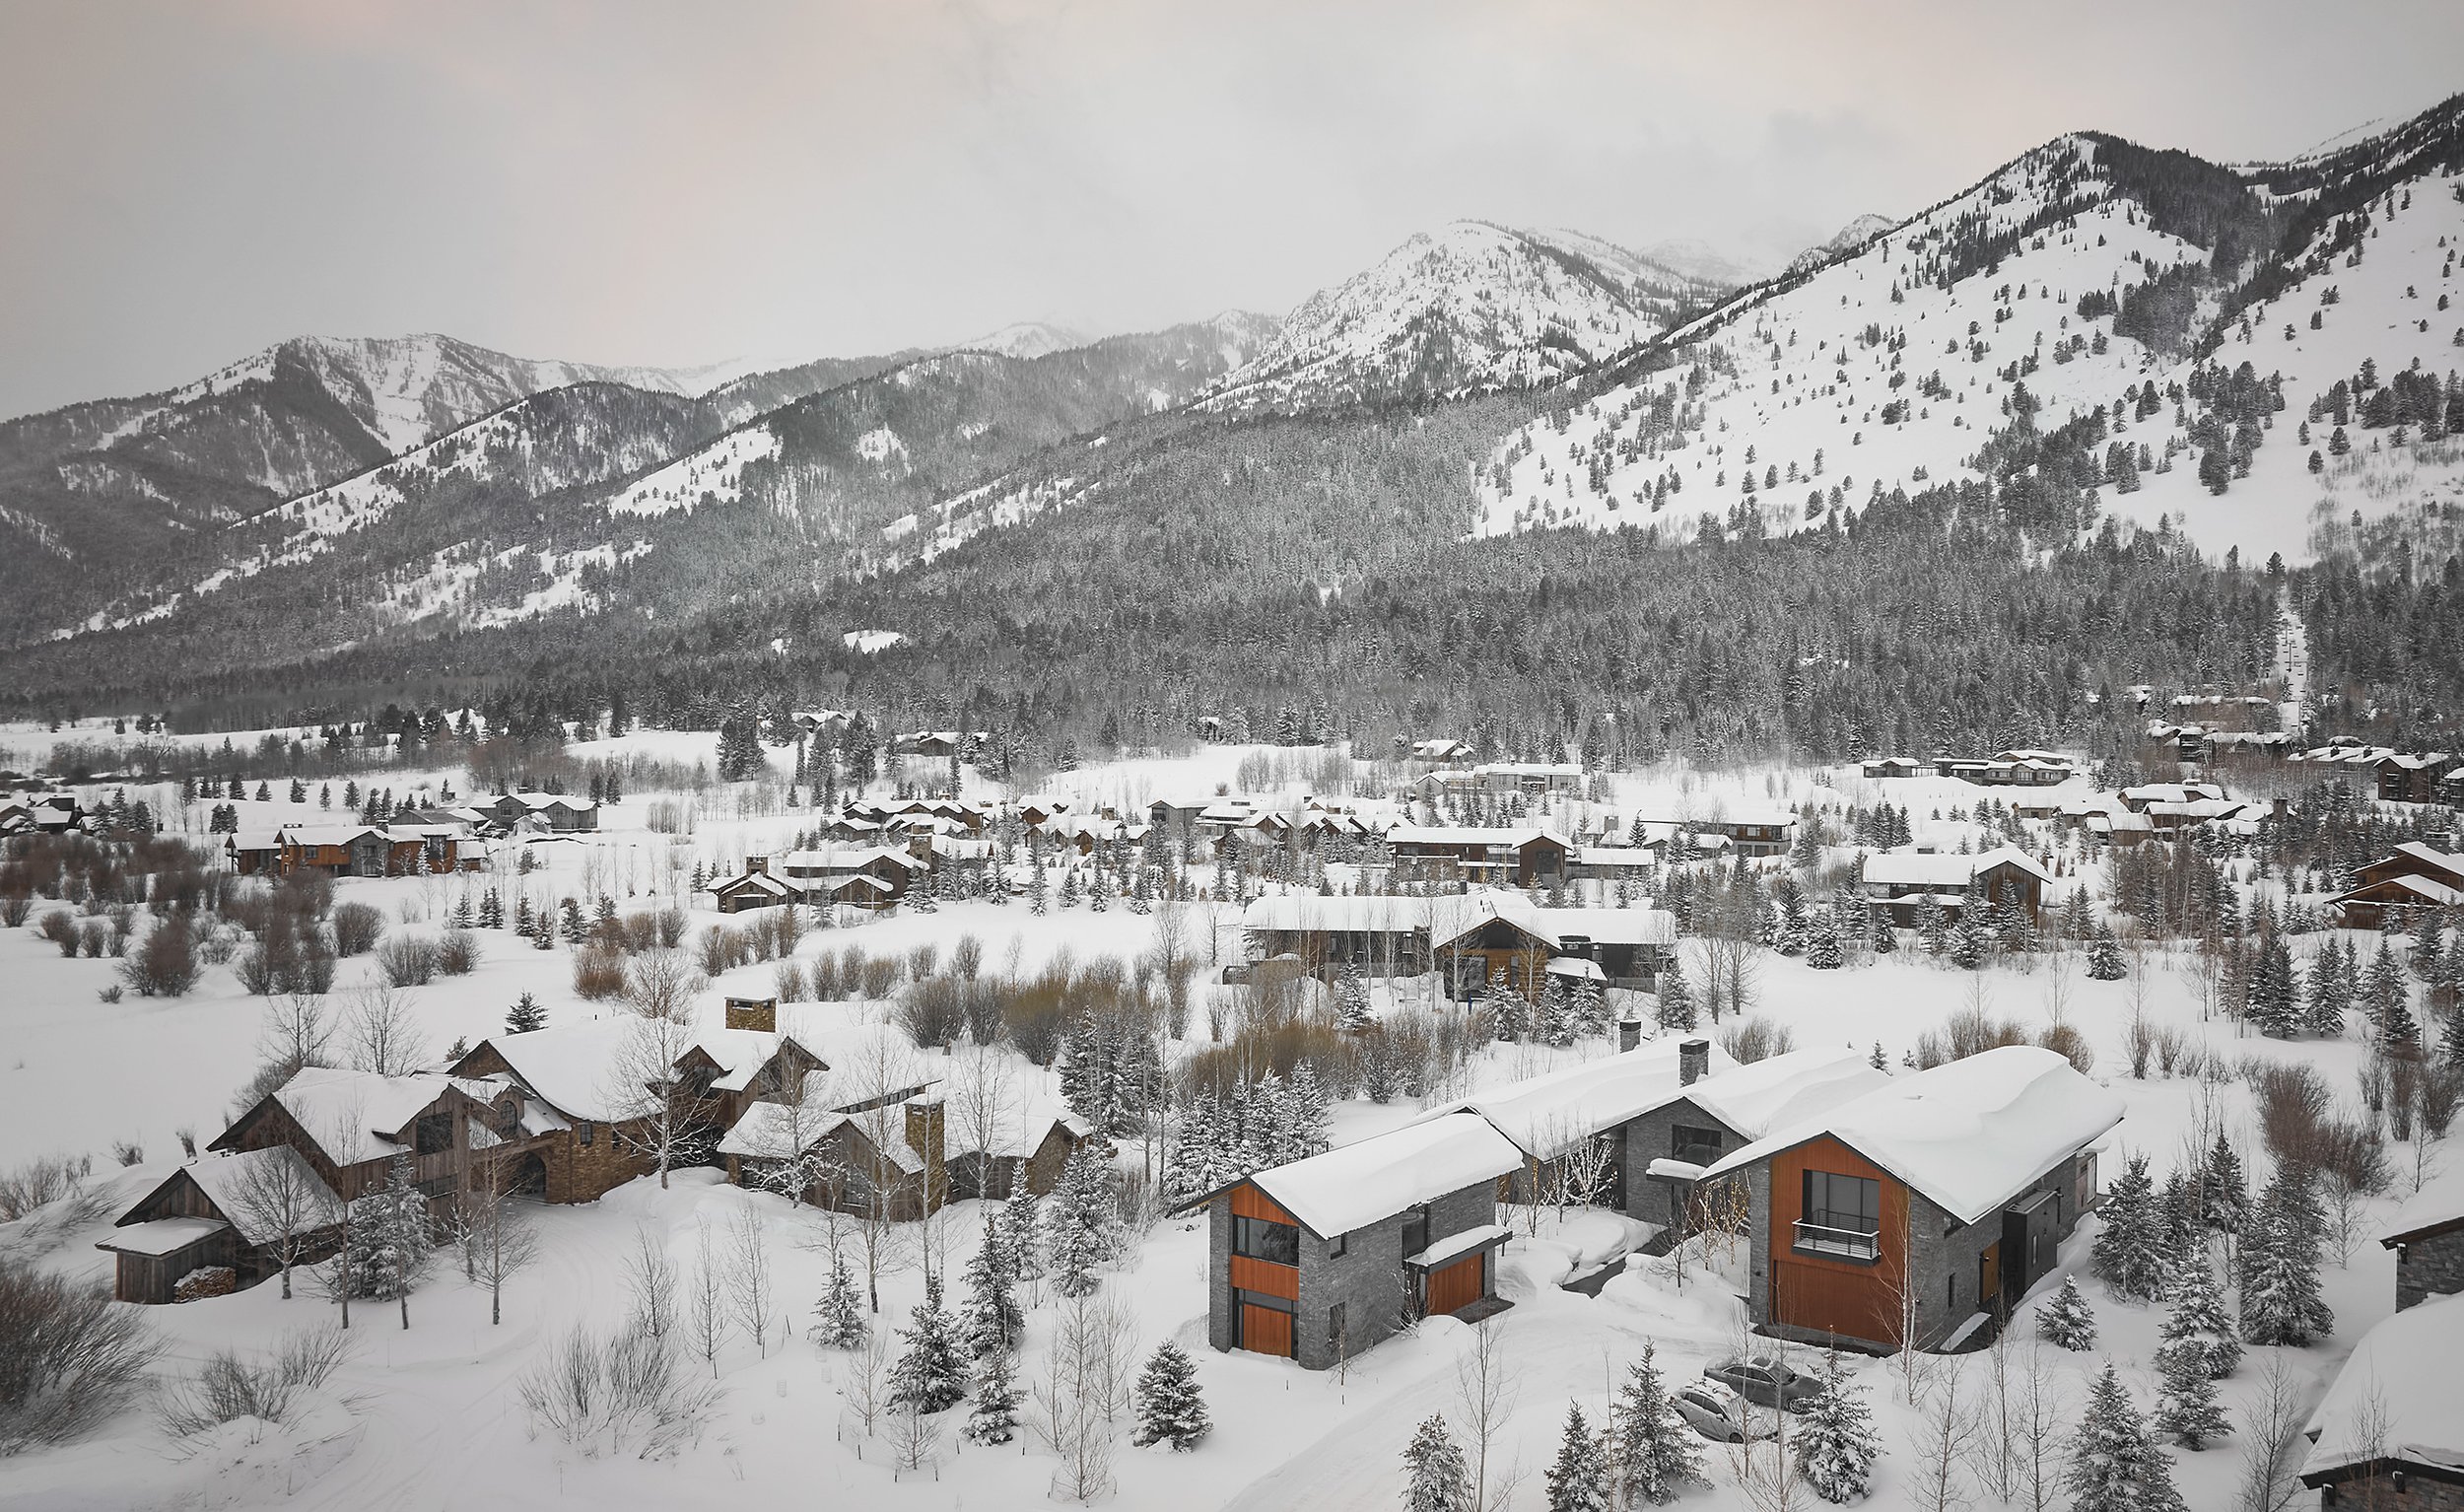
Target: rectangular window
<point x="1335" y="1248"/>
<point x="1695" y="1146"/>
<point x="1415" y="1231"/>
<point x="1335" y="1326"/>
<point x="583" y="1129"/>
<point x="1841" y="1215"/>
<point x="1258" y="1239"/>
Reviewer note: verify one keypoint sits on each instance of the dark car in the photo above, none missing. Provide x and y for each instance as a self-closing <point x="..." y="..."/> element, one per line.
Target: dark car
<point x="1766" y="1381"/>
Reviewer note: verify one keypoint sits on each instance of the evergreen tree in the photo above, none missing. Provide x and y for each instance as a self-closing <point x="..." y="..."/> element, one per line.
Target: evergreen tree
<point x="1170" y="1410"/>
<point x="1353" y="999"/>
<point x="1308" y="1113"/>
<point x="525" y="1015"/>
<point x="2197" y="1317"/>
<point x="2224" y="1196"/>
<point x="1677" y="999"/>
<point x="992" y="1320"/>
<point x="2280" y="1257"/>
<point x="2390" y="1000"/>
<point x="396" y="1242"/>
<point x="2066" y="1321"/>
<point x="2105" y="956"/>
<point x="839" y="1320"/>
<point x="2113" y="1467"/>
<point x="1579" y="1480"/>
<point x="2130" y="1249"/>
<point x="1081" y="1222"/>
<point x="994" y="1419"/>
<point x="1822" y="952"/>
<point x="1933" y="926"/>
<point x="1657" y="1453"/>
<point x="1886" y="936"/>
<point x="1837" y="1445"/>
<point x="1021" y="1233"/>
<point x="1436" y="1479"/>
<point x="2330" y="994"/>
<point x="930" y="1372"/>
<point x="1507" y="1010"/>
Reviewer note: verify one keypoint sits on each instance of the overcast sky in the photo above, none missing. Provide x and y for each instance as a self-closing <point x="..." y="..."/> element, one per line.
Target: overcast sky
<point x="673" y="183"/>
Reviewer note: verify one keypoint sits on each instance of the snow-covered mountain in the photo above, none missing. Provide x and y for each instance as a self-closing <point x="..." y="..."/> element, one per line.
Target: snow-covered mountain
<point x="1026" y="338"/>
<point x="2110" y="292"/>
<point x="1855" y="234"/>
<point x="1470" y="307"/>
<point x="1704" y="263"/>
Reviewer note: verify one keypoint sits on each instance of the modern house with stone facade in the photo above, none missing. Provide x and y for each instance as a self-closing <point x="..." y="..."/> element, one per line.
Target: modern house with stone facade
<point x="2427" y="1236"/>
<point x="1930" y="1201"/>
<point x="1321" y="1259"/>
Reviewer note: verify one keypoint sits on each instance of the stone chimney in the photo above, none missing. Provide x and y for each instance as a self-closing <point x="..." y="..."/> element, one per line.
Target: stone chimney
<point x="757" y="865"/>
<point x="925" y="1125"/>
<point x="1629" y="1034"/>
<point x="753" y="1014"/>
<point x="1693" y="1059"/>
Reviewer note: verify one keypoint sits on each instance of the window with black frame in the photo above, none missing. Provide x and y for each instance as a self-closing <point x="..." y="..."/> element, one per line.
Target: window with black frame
<point x="1695" y="1146"/>
<point x="1259" y="1239"/>
<point x="1842" y="1216"/>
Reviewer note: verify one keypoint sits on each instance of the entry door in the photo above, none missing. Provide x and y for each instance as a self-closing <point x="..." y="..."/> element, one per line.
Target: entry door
<point x="1456" y="1286"/>
<point x="1265" y="1331"/>
<point x="1989" y="1278"/>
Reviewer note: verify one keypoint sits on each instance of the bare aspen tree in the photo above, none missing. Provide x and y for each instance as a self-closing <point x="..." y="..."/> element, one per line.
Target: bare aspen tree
<point x="1942" y="1442"/>
<point x="706" y="1301"/>
<point x="1485" y="1390"/>
<point x="296" y="1033"/>
<point x="2043" y="1427"/>
<point x="981" y="1103"/>
<point x="283" y="1204"/>
<point x="650" y="1281"/>
<point x="748" y="1278"/>
<point x="1082" y="1376"/>
<point x="657" y="1116"/>
<point x="662" y="983"/>
<point x="2272" y="1418"/>
<point x="865" y="1382"/>
<point x="496" y="1235"/>
<point x="383" y="1037"/>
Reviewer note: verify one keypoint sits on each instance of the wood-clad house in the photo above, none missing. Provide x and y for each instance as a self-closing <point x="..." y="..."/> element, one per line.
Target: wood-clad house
<point x="1031" y="1140"/>
<point x="1526" y="855"/>
<point x="1892" y="768"/>
<point x="2413" y="777"/>
<point x="2411" y="876"/>
<point x="337" y="850"/>
<point x="1896" y="883"/>
<point x="555" y="812"/>
<point x="202" y="1217"/>
<point x="1321" y="1259"/>
<point x="1904" y="1212"/>
<point x="1380" y="935"/>
<point x="1489" y="932"/>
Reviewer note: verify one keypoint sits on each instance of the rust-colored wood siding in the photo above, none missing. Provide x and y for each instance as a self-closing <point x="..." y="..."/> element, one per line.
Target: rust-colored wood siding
<point x="1456" y="1286"/>
<point x="1265" y="1278"/>
<point x="1249" y="1203"/>
<point x="1855" y="1298"/>
<point x="1265" y="1331"/>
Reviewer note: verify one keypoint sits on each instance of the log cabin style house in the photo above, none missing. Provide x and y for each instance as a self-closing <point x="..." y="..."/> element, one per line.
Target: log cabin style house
<point x="1896" y="883"/>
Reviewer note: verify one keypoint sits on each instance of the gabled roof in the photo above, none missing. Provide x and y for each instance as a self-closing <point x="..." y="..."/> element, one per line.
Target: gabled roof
<point x="1019" y="1129"/>
<point x="1376" y="913"/>
<point x="1758" y="1097"/>
<point x="353" y="1115"/>
<point x="1970" y="1135"/>
<point x="776" y="1132"/>
<point x="1514" y="838"/>
<point x="226" y="1179"/>
<point x="1386" y="1174"/>
<point x="1546" y="1116"/>
<point x="2395" y="1397"/>
<point x="1945" y="870"/>
<point x="1556" y="926"/>
<point x="2438" y="1206"/>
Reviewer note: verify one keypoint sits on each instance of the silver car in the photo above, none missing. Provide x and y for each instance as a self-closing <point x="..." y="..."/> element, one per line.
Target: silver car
<point x="1717" y="1411"/>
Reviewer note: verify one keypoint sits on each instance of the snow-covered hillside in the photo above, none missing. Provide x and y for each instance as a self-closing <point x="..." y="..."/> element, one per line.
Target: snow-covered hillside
<point x="1472" y="306"/>
<point x="1886" y="368"/>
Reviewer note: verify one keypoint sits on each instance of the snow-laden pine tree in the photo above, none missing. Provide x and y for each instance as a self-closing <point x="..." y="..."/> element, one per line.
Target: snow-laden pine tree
<point x="2331" y="994"/>
<point x="1579" y="1480"/>
<point x="1435" y="1477"/>
<point x="930" y="1371"/>
<point x="1309" y="1111"/>
<point x="1836" y="1445"/>
<point x="1022" y="1233"/>
<point x="394" y="1237"/>
<point x="2105" y="956"/>
<point x="2066" y="1321"/>
<point x="1932" y="927"/>
<point x="1655" y="1454"/>
<point x="1676" y="998"/>
<point x="1169" y="1409"/>
<point x="2130" y="1250"/>
<point x="994" y="1419"/>
<point x="1353" y="999"/>
<point x="2187" y="1407"/>
<point x="1822" y="951"/>
<point x="839" y="1320"/>
<point x="2198" y="1316"/>
<point x="2280" y="1255"/>
<point x="2113" y="1467"/>
<point x="1079" y="1221"/>
<point x="2224" y="1193"/>
<point x="992" y="1320"/>
<point x="525" y="1015"/>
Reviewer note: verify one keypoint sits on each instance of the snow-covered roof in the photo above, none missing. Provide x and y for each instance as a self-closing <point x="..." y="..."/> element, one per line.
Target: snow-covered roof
<point x="328" y="834"/>
<point x="1941" y="869"/>
<point x="1556" y="926"/>
<point x="865" y="1062"/>
<point x="160" y="1236"/>
<point x="2439" y="1203"/>
<point x="226" y="1180"/>
<point x="753" y="882"/>
<point x="1756" y="1098"/>
<point x="2429" y="855"/>
<point x="1019" y="1128"/>
<point x="1969" y="1134"/>
<point x="776" y="1132"/>
<point x="1509" y="838"/>
<point x="1457" y="1245"/>
<point x="1577" y="967"/>
<point x="1367" y="913"/>
<point x="841" y="859"/>
<point x="1615" y="855"/>
<point x="1381" y="1176"/>
<point x="2395" y="1397"/>
<point x="2427" y="889"/>
<point x="740" y="1053"/>
<point x="574" y="1068"/>
<point x="1552" y="1112"/>
<point x="349" y="1114"/>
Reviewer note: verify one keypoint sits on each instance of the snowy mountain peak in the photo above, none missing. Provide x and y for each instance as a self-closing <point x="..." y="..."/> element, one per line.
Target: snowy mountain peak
<point x="1026" y="338"/>
<point x="1469" y="306"/>
<point x="1854" y="235"/>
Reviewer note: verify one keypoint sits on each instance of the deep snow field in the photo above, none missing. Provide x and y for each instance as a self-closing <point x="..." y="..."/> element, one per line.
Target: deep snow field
<point x="430" y="1419"/>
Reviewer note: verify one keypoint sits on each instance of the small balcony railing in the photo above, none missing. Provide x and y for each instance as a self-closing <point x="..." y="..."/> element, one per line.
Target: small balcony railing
<point x="1844" y="1243"/>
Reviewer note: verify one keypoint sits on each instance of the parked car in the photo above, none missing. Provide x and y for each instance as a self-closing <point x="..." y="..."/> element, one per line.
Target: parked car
<point x="1718" y="1413"/>
<point x="1766" y="1381"/>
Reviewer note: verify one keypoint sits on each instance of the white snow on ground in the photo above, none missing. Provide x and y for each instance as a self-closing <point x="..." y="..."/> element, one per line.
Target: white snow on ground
<point x="881" y="445"/>
<point x="431" y="1418"/>
<point x="867" y="642"/>
<point x="713" y="473"/>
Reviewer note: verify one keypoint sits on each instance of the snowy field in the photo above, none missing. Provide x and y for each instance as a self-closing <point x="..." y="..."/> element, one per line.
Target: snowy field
<point x="432" y="1417"/>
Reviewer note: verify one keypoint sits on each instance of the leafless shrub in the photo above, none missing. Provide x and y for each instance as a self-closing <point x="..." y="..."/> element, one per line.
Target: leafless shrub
<point x="825" y="979"/>
<point x="2067" y="1042"/>
<point x="93" y="937"/>
<point x="165" y="965"/>
<point x="2170" y="1046"/>
<point x="598" y="974"/>
<point x="787" y="980"/>
<point x="625" y="1393"/>
<point x="15" y="907"/>
<point x="127" y="1152"/>
<point x="1756" y="1038"/>
<point x="967" y="957"/>
<point x="923" y="960"/>
<point x="880" y="978"/>
<point x="357" y="927"/>
<point x="933" y="1010"/>
<point x="60" y="927"/>
<point x="229" y="1385"/>
<point x="40" y="1182"/>
<point x="407" y="960"/>
<point x="69" y="1357"/>
<point x="457" y="953"/>
<point x="2441" y="1089"/>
